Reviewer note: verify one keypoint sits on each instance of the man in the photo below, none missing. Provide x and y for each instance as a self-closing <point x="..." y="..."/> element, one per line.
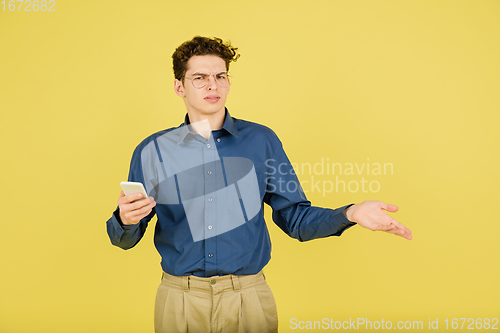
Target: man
<point x="208" y="179"/>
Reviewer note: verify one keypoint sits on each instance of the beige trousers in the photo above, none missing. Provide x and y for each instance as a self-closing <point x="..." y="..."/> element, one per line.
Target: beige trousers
<point x="229" y="303"/>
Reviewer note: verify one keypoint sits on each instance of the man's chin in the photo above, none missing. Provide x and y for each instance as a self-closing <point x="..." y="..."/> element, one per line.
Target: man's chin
<point x="211" y="111"/>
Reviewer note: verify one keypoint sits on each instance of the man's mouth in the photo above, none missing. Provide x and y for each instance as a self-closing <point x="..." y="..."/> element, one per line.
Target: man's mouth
<point x="212" y="99"/>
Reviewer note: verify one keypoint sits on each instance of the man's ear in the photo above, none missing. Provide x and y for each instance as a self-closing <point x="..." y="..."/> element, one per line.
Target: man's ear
<point x="179" y="88"/>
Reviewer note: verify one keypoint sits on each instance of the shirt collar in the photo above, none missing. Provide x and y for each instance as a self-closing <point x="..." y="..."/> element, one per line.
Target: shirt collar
<point x="229" y="126"/>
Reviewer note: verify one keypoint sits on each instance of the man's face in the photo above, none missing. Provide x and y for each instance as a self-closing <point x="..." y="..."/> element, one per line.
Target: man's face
<point x="210" y="99"/>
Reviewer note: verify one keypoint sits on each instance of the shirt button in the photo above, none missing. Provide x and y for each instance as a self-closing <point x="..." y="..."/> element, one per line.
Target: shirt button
<point x="210" y="227"/>
<point x="210" y="255"/>
<point x="218" y="140"/>
<point x="208" y="145"/>
<point x="213" y="281"/>
<point x="210" y="199"/>
<point x="209" y="172"/>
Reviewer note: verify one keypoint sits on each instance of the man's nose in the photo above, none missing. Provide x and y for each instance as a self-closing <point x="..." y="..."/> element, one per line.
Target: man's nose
<point x="211" y="82"/>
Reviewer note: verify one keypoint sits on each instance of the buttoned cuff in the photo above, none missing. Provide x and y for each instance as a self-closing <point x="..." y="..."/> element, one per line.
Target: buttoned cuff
<point x="119" y="227"/>
<point x="345" y="215"/>
<point x="341" y="220"/>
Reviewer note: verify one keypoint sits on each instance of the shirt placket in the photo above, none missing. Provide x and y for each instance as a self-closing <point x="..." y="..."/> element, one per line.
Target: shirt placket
<point x="210" y="225"/>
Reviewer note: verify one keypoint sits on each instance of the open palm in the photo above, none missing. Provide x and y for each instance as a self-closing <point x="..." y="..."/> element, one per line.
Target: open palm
<point x="372" y="215"/>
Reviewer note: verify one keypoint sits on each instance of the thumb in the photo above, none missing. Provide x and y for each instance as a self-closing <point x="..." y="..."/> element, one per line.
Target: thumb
<point x="389" y="207"/>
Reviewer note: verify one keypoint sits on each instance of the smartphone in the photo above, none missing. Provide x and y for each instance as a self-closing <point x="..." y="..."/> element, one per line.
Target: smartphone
<point x="133" y="187"/>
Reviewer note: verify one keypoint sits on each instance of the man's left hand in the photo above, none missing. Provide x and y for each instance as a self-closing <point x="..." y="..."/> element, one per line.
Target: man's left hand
<point x="371" y="215"/>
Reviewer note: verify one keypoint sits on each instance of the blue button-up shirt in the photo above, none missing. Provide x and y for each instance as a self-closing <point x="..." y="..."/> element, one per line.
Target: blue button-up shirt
<point x="210" y="198"/>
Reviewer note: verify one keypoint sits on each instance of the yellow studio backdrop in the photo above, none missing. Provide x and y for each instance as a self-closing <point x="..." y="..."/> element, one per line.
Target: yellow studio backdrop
<point x="385" y="100"/>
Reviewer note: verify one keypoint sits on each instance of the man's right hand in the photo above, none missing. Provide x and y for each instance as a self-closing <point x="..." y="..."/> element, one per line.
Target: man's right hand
<point x="133" y="212"/>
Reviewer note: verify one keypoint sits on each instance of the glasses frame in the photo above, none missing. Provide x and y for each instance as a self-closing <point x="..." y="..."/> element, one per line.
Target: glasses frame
<point x="229" y="76"/>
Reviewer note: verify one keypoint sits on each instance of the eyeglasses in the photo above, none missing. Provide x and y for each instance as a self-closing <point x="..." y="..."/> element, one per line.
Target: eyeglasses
<point x="200" y="80"/>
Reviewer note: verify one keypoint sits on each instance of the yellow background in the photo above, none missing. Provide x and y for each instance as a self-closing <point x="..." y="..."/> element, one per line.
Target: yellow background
<point x="412" y="83"/>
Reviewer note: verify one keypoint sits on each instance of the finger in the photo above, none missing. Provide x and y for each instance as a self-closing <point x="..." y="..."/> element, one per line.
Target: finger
<point x="407" y="234"/>
<point x="389" y="219"/>
<point x="130" y="210"/>
<point x="394" y="231"/>
<point x="129" y="198"/>
<point x="403" y="231"/>
<point x="399" y="232"/>
<point x="390" y="208"/>
<point x="382" y="227"/>
<point x="137" y="204"/>
<point x="137" y="214"/>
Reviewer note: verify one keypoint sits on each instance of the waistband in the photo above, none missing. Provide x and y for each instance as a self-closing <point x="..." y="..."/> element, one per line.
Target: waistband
<point x="225" y="282"/>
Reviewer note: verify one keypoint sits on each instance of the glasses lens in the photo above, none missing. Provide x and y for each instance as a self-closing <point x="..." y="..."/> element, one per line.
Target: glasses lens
<point x="223" y="79"/>
<point x="200" y="80"/>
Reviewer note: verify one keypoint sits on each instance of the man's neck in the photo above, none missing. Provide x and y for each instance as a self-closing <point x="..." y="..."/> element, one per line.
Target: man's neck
<point x="199" y="122"/>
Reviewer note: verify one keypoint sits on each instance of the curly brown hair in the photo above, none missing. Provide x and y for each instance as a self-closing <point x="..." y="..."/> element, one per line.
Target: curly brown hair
<point x="202" y="46"/>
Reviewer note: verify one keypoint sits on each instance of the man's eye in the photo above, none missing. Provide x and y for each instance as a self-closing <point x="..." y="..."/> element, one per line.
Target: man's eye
<point x="199" y="77"/>
<point x="222" y="77"/>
